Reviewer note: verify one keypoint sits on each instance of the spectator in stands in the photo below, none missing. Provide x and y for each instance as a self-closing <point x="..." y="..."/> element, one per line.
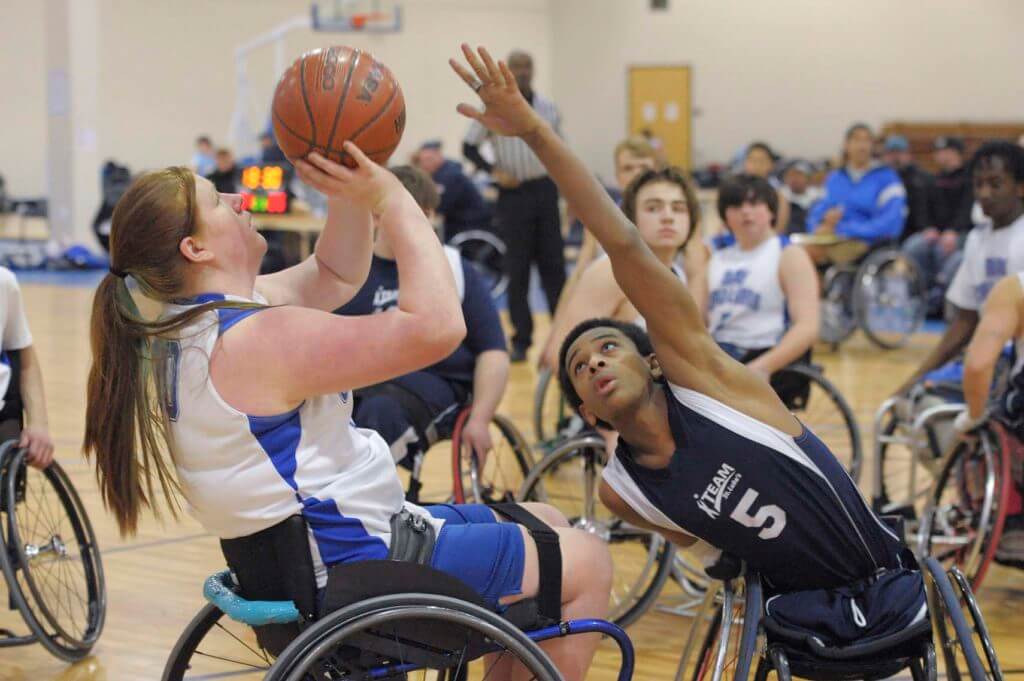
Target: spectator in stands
<point x="936" y="249"/>
<point x="269" y="151"/>
<point x="462" y="206"/>
<point x="203" y="162"/>
<point x="528" y="212"/>
<point x="799" y="193"/>
<point x="864" y="200"/>
<point x="759" y="161"/>
<point x="916" y="181"/>
<point x="22" y="403"/>
<point x="993" y="249"/>
<point x="405" y="410"/>
<point x="226" y="175"/>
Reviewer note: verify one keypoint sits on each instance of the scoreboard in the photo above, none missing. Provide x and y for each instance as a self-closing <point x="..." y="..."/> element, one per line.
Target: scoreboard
<point x="265" y="189"/>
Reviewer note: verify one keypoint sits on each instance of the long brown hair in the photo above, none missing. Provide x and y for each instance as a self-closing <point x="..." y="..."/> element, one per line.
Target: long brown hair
<point x="126" y="424"/>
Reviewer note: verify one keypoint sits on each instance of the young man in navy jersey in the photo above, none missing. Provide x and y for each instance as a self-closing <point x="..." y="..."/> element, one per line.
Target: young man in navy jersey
<point x="405" y="410"/>
<point x="707" y="451"/>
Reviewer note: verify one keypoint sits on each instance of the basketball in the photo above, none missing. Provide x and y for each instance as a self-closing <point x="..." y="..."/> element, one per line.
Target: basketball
<point x="335" y="94"/>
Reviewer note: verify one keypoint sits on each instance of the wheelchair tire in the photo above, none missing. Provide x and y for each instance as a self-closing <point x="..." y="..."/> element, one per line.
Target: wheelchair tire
<point x="324" y="647"/>
<point x="50" y="551"/>
<point x="728" y="638"/>
<point x="243" y="661"/>
<point x="878" y="302"/>
<point x="946" y="614"/>
<point x="832" y="421"/>
<point x="487" y="252"/>
<point x="555" y="479"/>
<point x="969" y="502"/>
<point x="838" y="316"/>
<point x="503" y="472"/>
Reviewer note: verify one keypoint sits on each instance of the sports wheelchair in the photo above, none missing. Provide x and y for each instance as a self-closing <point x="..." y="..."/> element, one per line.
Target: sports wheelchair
<point x="877" y="289"/>
<point x="802" y="386"/>
<point x="734" y="627"/>
<point x="376" y="620"/>
<point x="49" y="558"/>
<point x="486" y="250"/>
<point x="446" y="472"/>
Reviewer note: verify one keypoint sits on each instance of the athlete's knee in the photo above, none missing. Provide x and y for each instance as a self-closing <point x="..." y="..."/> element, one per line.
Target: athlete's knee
<point x="546" y="512"/>
<point x="586" y="560"/>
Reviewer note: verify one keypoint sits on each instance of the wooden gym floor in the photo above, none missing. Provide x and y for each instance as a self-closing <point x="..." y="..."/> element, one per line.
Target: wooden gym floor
<point x="154" y="580"/>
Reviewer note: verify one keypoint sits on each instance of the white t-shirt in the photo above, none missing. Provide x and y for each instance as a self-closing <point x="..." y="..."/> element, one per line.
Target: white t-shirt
<point x="16" y="334"/>
<point x="989" y="255"/>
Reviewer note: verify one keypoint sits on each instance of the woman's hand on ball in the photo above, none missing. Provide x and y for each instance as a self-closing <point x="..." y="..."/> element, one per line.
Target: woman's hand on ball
<point x="506" y="111"/>
<point x="367" y="184"/>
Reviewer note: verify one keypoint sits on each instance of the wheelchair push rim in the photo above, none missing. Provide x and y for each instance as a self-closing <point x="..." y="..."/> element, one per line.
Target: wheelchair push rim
<point x="965" y="518"/>
<point x="568" y="479"/>
<point x="889" y="298"/>
<point x="487" y="252"/>
<point x="52" y="562"/>
<point x="955" y="637"/>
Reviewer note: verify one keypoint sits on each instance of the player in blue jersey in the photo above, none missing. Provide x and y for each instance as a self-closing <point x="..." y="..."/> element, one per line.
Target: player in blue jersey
<point x="707" y="450"/>
<point x="246" y="382"/>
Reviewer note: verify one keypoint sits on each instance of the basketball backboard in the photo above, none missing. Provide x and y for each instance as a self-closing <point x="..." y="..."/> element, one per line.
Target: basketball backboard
<point x="357" y="16"/>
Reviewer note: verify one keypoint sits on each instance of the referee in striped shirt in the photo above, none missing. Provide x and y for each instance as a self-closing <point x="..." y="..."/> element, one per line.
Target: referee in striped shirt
<point x="527" y="210"/>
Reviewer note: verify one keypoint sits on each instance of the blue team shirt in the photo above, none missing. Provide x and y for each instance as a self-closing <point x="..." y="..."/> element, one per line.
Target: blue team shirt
<point x="483" y="326"/>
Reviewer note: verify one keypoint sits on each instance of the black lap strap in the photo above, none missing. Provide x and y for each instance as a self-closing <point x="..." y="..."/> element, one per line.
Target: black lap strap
<point x="549" y="558"/>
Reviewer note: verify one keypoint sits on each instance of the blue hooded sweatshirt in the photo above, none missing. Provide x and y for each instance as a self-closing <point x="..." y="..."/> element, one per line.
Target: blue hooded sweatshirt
<point x="874" y="206"/>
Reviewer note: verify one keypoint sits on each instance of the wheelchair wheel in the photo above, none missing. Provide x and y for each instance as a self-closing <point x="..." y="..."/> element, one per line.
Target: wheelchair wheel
<point x="503" y="472"/>
<point x="981" y="635"/>
<point x="838" y="317"/>
<point x="406" y="636"/>
<point x="50" y="560"/>
<point x="890" y="298"/>
<point x="722" y="639"/>
<point x="954" y="634"/>
<point x="965" y="519"/>
<point x="215" y="646"/>
<point x="824" y="410"/>
<point x="568" y="479"/>
<point x="553" y="418"/>
<point x="487" y="251"/>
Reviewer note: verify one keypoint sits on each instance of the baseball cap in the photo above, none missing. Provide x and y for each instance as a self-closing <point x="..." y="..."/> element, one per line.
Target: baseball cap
<point x="896" y="143"/>
<point x="431" y="144"/>
<point x="948" y="142"/>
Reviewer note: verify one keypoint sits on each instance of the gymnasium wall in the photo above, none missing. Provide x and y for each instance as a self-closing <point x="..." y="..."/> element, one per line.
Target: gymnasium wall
<point x="23" y="99"/>
<point x="794" y="73"/>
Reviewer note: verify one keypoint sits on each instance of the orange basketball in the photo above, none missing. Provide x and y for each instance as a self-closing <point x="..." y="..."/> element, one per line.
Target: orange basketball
<point x="331" y="95"/>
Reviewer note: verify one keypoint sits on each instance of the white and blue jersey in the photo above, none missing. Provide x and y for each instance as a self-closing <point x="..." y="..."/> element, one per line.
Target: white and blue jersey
<point x="783" y="504"/>
<point x="989" y="255"/>
<point x="746" y="304"/>
<point x="242" y="473"/>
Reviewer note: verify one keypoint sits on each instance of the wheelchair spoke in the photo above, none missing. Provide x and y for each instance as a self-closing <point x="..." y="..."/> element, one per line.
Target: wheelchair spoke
<point x="230" y="660"/>
<point x="262" y="654"/>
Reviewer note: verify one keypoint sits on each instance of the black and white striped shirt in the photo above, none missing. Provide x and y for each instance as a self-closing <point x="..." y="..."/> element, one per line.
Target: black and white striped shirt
<point x="511" y="154"/>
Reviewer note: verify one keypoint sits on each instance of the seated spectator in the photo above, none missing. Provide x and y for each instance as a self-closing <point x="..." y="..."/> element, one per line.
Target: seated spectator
<point x="269" y="151"/>
<point x="992" y="250"/>
<point x="864" y="200"/>
<point x="759" y="160"/>
<point x="799" y="193"/>
<point x="763" y="305"/>
<point x="462" y="207"/>
<point x="936" y="249"/>
<point x="916" y="181"/>
<point x="203" y="162"/>
<point x="408" y="409"/>
<point x="226" y="175"/>
<point x="22" y="405"/>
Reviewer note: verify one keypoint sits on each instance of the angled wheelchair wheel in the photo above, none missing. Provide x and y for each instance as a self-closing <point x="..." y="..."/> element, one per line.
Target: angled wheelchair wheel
<point x="823" y="409"/>
<point x="501" y="475"/>
<point x="487" y="252"/>
<point x="214" y="646"/>
<point x="838" y="318"/>
<point x="890" y="298"/>
<point x="965" y="519"/>
<point x="982" y="639"/>
<point x="410" y="636"/>
<point x="51" y="560"/>
<point x="553" y="418"/>
<point x="954" y="635"/>
<point x="568" y="479"/>
<point x="722" y="640"/>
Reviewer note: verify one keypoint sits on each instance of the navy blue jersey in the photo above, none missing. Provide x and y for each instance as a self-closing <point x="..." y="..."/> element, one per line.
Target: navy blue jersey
<point x="784" y="505"/>
<point x="461" y="203"/>
<point x="483" y="326"/>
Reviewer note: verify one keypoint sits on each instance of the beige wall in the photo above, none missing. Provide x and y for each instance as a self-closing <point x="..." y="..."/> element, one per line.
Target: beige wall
<point x="792" y="72"/>
<point x="23" y="102"/>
